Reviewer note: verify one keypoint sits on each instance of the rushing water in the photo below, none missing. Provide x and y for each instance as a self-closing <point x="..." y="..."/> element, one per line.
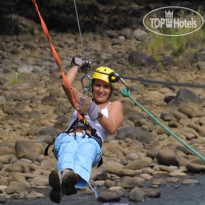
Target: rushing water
<point x="170" y="195"/>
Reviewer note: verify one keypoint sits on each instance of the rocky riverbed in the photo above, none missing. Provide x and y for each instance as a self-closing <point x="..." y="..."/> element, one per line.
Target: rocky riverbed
<point x="141" y="157"/>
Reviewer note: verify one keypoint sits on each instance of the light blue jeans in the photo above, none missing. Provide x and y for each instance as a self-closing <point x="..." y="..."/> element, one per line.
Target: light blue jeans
<point x="77" y="153"/>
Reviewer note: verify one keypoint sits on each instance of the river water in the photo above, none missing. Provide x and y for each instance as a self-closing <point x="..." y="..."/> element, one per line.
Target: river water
<point x="170" y="195"/>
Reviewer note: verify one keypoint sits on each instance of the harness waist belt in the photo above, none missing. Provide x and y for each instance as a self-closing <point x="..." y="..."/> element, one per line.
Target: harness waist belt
<point x="83" y="133"/>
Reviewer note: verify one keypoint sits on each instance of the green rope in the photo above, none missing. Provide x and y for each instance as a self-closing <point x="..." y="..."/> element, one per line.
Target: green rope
<point x="126" y="93"/>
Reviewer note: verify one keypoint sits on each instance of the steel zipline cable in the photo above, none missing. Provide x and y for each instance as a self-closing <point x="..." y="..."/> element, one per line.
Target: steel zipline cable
<point x="114" y="77"/>
<point x="164" y="82"/>
<point x="81" y="38"/>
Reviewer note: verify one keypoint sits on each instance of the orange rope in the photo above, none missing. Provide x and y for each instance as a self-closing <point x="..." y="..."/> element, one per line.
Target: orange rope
<point x="57" y="59"/>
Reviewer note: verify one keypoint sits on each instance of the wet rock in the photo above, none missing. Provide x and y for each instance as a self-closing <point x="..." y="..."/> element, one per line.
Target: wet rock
<point x="3" y="198"/>
<point x="178" y="115"/>
<point x="47" y="135"/>
<point x="112" y="166"/>
<point x="108" y="197"/>
<point x="16" y="187"/>
<point x="140" y="163"/>
<point x="5" y="158"/>
<point x="146" y="126"/>
<point x="177" y="173"/>
<point x="62" y="108"/>
<point x="114" y="146"/>
<point x="201" y="121"/>
<point x="109" y="183"/>
<point x="158" y="182"/>
<point x="136" y="133"/>
<point x="34" y="195"/>
<point x="168" y="156"/>
<point x="189" y="181"/>
<point x="49" y="100"/>
<point x="120" y="191"/>
<point x="190" y="112"/>
<point x="152" y="153"/>
<point x="18" y="177"/>
<point x="172" y="180"/>
<point x="132" y="156"/>
<point x="138" y="58"/>
<point x="28" y="149"/>
<point x="125" y="172"/>
<point x="189" y="133"/>
<point x="41" y="180"/>
<point x="184" y="96"/>
<point x="136" y="116"/>
<point x="99" y="183"/>
<point x="130" y="182"/>
<point x="166" y="116"/>
<point x="168" y="168"/>
<point x="14" y="168"/>
<point x="139" y="34"/>
<point x="49" y="163"/>
<point x="102" y="175"/>
<point x="146" y="176"/>
<point x="4" y="183"/>
<point x="199" y="129"/>
<point x="169" y="99"/>
<point x="126" y="32"/>
<point x="137" y="195"/>
<point x="152" y="193"/>
<point x="5" y="149"/>
<point x="23" y="68"/>
<point x="194" y="167"/>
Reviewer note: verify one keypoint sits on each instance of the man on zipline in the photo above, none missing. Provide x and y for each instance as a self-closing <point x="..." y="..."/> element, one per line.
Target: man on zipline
<point x="79" y="148"/>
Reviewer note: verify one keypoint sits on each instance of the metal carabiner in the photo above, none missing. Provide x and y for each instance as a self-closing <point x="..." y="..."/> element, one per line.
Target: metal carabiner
<point x="86" y="89"/>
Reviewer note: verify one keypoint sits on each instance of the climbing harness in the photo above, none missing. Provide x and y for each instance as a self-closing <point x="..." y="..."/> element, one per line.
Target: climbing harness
<point x="87" y="128"/>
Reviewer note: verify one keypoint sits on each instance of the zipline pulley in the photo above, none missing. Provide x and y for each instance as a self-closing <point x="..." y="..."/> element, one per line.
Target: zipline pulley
<point x="114" y="77"/>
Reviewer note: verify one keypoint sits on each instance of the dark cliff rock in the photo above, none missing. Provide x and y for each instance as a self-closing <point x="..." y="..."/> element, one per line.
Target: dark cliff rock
<point x="94" y="15"/>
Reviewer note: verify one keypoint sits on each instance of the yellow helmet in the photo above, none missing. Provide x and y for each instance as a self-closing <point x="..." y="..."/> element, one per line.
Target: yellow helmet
<point x="102" y="73"/>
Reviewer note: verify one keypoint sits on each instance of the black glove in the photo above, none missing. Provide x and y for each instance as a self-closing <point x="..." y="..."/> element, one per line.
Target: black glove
<point x="83" y="64"/>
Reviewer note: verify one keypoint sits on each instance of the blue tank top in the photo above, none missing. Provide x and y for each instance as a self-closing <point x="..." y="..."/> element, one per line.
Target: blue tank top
<point x="101" y="132"/>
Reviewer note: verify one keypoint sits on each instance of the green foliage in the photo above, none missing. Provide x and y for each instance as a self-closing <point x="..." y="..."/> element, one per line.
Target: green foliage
<point x="175" y="45"/>
<point x="15" y="78"/>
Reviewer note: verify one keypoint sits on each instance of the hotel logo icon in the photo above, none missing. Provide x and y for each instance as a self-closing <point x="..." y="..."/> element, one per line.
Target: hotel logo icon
<point x="169" y="18"/>
<point x="172" y="23"/>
